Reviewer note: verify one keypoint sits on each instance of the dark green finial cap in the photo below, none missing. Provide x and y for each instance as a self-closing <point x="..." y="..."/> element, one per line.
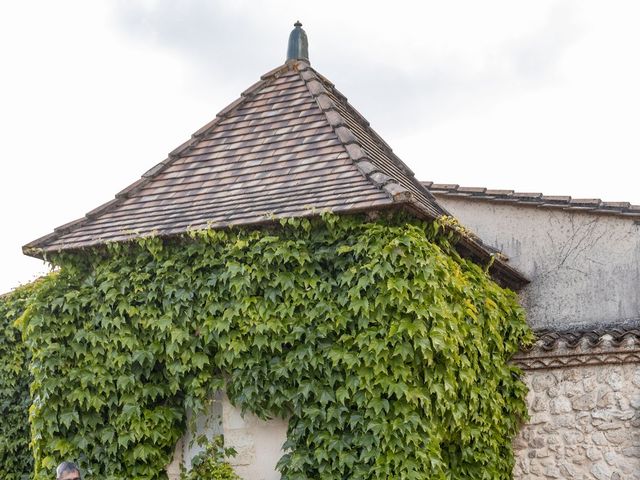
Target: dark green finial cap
<point x="298" y="44"/>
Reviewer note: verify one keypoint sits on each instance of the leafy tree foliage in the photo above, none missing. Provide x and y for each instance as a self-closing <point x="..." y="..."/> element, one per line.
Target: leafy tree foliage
<point x="16" y="461"/>
<point x="387" y="351"/>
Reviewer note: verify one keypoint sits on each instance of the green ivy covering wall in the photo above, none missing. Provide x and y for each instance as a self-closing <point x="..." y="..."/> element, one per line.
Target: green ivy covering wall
<point x="387" y="351"/>
<point x="16" y="461"/>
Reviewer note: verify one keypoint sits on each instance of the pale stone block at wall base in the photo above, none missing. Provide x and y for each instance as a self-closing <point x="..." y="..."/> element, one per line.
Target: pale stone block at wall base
<point x="258" y="443"/>
<point x="208" y="424"/>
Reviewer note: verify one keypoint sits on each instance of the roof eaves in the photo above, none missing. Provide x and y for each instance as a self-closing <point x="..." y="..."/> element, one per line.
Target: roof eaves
<point x="616" y="343"/>
<point x="266" y="220"/>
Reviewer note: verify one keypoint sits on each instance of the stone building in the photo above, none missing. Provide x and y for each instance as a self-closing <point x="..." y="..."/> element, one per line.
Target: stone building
<point x="292" y="145"/>
<point x="583" y="259"/>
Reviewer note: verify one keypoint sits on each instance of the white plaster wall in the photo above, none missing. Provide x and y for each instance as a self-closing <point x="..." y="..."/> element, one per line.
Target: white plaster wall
<point x="584" y="268"/>
<point x="258" y="443"/>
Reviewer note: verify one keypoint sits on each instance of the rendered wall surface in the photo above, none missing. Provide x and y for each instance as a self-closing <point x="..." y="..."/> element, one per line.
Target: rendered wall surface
<point x="584" y="268"/>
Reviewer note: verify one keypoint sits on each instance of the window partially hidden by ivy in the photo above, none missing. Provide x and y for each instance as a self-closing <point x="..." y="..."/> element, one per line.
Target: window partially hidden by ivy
<point x="212" y="462"/>
<point x="387" y="351"/>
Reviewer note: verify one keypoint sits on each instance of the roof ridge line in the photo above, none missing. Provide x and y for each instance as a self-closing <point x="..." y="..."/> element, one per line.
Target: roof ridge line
<point x="381" y="142"/>
<point x="537" y="199"/>
<point x="379" y="179"/>
<point x="398" y="193"/>
<point x="151" y="173"/>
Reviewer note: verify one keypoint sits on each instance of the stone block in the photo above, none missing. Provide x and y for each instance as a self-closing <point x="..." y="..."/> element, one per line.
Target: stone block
<point x="542" y="382"/>
<point x="590" y="383"/>
<point x="572" y="437"/>
<point x="631" y="452"/>
<point x="560" y="405"/>
<point x="519" y="443"/>
<point x="537" y="442"/>
<point x="598" y="438"/>
<point x="538" y="418"/>
<point x="607" y="426"/>
<point x="572" y="389"/>
<point x="586" y="401"/>
<point x="540" y="403"/>
<point x="584" y="421"/>
<point x="552" y="472"/>
<point x="568" y="470"/>
<point x="622" y="401"/>
<point x="571" y="375"/>
<point x="610" y="415"/>
<point x="601" y="471"/>
<point x="554" y="391"/>
<point x="606" y="399"/>
<point x="612" y="458"/>
<point x="554" y="439"/>
<point x="536" y="469"/>
<point x="244" y="444"/>
<point x="615" y="379"/>
<point x="232" y="418"/>
<point x="617" y="436"/>
<point x="566" y="420"/>
<point x="594" y="454"/>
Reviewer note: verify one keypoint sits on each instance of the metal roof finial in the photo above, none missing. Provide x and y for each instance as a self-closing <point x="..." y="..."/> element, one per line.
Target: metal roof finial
<point x="298" y="44"/>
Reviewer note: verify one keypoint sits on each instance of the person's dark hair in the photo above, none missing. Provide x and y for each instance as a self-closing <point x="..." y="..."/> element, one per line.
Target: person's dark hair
<point x="67" y="467"/>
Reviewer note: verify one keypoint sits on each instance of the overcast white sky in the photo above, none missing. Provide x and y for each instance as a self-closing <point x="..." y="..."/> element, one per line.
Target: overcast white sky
<point x="533" y="96"/>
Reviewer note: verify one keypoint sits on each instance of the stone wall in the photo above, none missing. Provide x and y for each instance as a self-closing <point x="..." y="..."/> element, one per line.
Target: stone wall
<point x="258" y="442"/>
<point x="583" y="373"/>
<point x="584" y="406"/>
<point x="585" y="424"/>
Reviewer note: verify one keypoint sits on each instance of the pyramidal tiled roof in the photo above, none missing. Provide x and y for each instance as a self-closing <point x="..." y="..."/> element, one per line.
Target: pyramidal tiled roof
<point x="290" y="146"/>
